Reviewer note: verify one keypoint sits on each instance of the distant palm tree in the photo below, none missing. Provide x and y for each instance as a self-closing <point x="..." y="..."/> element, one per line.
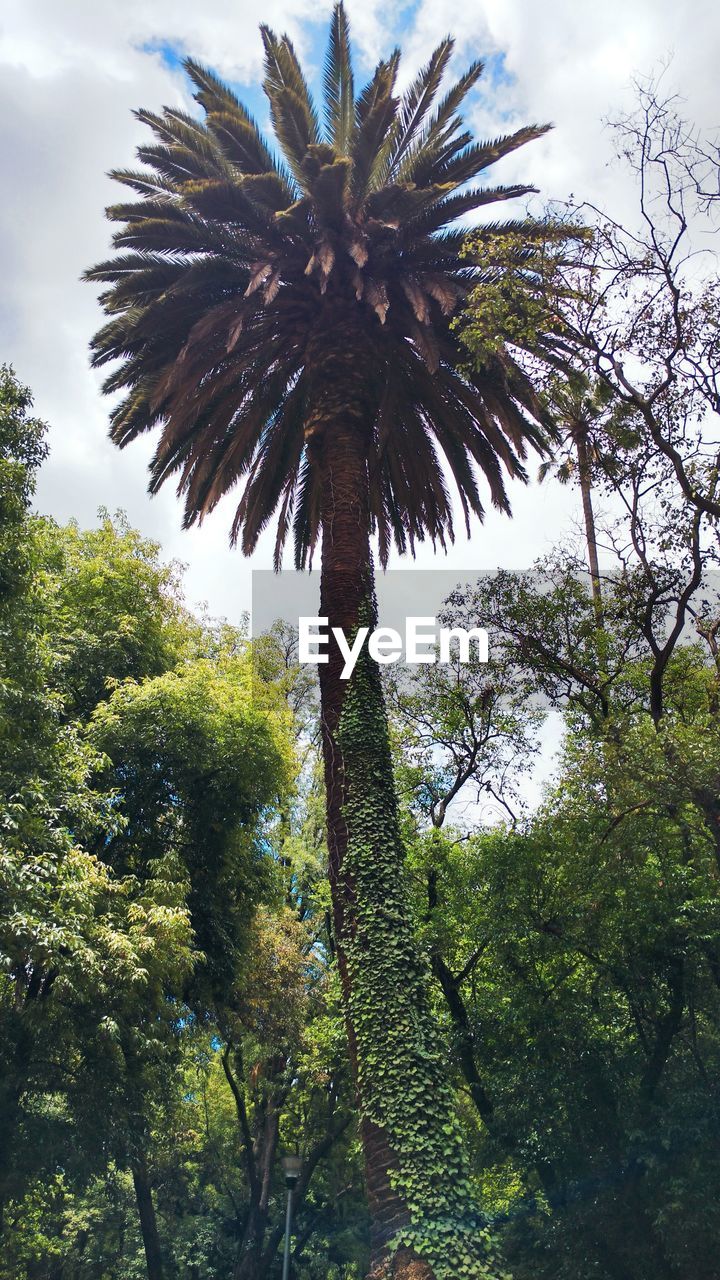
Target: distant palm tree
<point x="580" y="408"/>
<point x="284" y="320"/>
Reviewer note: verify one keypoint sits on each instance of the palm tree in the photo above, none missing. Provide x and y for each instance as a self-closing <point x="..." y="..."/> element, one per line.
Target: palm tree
<point x="580" y="408"/>
<point x="284" y="318"/>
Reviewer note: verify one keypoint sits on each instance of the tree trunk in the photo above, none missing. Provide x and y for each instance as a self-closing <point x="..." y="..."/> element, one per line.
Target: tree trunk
<point x="346" y="596"/>
<point x="412" y="1146"/>
<point x="267" y="1259"/>
<point x="585" y="477"/>
<point x="148" y="1220"/>
<point x="248" y="1263"/>
<point x="13" y="1086"/>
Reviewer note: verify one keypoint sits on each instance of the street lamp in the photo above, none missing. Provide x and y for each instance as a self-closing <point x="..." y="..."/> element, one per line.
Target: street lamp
<point x="291" y="1168"/>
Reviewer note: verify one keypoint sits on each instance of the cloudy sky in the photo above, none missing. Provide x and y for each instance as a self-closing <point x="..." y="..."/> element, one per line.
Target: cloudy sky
<point x="71" y="72"/>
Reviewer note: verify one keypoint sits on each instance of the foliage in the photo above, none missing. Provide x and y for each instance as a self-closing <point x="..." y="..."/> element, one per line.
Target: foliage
<point x="196" y="757"/>
<point x="146" y="772"/>
<point x="171" y="1002"/>
<point x="586" y="940"/>
<point x="575" y="947"/>
<point x="22" y="449"/>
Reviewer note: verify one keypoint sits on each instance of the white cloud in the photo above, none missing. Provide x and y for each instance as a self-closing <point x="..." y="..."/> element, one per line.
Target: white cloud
<point x="71" y="74"/>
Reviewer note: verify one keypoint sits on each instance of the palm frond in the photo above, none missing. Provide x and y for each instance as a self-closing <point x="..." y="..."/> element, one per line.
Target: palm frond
<point x="474" y="159"/>
<point x="293" y="128"/>
<point x="449" y="208"/>
<point x="418" y="99"/>
<point x="292" y="109"/>
<point x="338" y="84"/>
<point x="442" y="119"/>
<point x="306" y="520"/>
<point x="375" y="110"/>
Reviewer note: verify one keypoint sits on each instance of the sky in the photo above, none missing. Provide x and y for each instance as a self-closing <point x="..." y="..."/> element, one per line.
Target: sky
<point x="71" y="72"/>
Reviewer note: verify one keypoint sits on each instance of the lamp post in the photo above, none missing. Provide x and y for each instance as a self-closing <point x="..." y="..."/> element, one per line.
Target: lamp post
<point x="291" y="1168"/>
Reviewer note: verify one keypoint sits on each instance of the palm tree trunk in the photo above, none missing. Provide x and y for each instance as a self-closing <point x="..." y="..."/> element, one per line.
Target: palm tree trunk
<point x="411" y="1142"/>
<point x="585" y="477"/>
<point x="346" y="597"/>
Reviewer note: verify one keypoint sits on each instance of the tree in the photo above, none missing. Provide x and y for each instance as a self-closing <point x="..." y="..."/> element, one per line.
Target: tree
<point x="142" y="759"/>
<point x="195" y="758"/>
<point x="78" y="943"/>
<point x="575" y="947"/>
<point x="22" y="450"/>
<point x="634" y="306"/>
<point x="288" y="322"/>
<point x="577" y="406"/>
<point x="598" y="1064"/>
<point x="147" y="766"/>
<point x="648" y="325"/>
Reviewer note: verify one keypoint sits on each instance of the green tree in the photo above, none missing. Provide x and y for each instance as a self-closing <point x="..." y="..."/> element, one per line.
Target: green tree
<point x="148" y="764"/>
<point x="143" y="759"/>
<point x="22" y="450"/>
<point x="195" y="758"/>
<point x="78" y="943"/>
<point x="119" y="612"/>
<point x="575" y="948"/>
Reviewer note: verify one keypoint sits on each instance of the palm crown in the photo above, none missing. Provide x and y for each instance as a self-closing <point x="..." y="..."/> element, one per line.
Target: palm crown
<point x="253" y="289"/>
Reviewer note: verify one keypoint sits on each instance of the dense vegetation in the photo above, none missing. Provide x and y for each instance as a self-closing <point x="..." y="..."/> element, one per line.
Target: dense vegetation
<point x="170" y="1004"/>
<point x="543" y="976"/>
<point x="164" y="991"/>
